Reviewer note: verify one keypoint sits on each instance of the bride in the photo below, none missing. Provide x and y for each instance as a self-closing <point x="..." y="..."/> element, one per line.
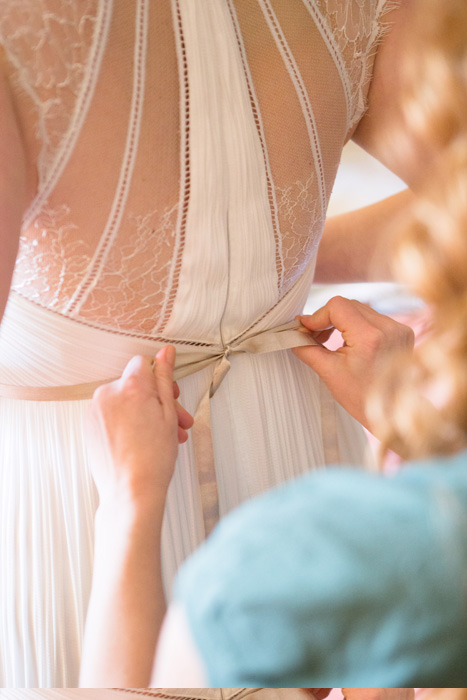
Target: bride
<point x="167" y="169"/>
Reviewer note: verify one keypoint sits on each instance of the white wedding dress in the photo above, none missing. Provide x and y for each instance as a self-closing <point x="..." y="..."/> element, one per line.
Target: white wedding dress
<point x="185" y="152"/>
<point x="161" y="693"/>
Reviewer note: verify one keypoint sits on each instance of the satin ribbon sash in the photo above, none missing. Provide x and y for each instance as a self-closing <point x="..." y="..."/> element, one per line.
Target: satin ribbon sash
<point x="284" y="337"/>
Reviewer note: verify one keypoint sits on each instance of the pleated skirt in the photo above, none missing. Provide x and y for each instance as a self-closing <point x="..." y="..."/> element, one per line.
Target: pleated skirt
<point x="266" y="426"/>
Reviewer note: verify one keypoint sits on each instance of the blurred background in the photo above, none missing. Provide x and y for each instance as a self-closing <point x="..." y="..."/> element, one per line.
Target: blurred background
<point x="362" y="180"/>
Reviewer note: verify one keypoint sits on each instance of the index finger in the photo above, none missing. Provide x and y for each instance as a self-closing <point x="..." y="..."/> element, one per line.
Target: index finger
<point x="342" y="314"/>
<point x="140" y="366"/>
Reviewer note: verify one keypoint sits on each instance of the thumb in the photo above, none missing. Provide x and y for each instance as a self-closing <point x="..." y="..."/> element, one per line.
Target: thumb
<point x="163" y="371"/>
<point x="319" y="358"/>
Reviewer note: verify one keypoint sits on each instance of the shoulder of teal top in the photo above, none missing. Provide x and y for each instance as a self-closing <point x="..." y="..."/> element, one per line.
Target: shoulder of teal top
<point x="337" y="576"/>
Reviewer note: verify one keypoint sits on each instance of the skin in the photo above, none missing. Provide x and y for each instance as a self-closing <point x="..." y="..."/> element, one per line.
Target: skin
<point x="366" y="693"/>
<point x="378" y="693"/>
<point x="132" y="406"/>
<point x="368" y="337"/>
<point x="349" y="243"/>
<point x="134" y="427"/>
<point x="354" y="245"/>
<point x="16" y="184"/>
<point x="133" y="447"/>
<point x="135" y="424"/>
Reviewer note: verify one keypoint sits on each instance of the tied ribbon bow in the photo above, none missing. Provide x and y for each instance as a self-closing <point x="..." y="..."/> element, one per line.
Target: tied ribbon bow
<point x="284" y="337"/>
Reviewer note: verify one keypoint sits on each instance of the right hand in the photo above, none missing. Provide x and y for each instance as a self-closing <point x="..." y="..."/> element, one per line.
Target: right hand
<point x="369" y="337"/>
<point x="134" y="426"/>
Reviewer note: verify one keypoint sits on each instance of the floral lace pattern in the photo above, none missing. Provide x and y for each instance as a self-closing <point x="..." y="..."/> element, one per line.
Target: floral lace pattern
<point x="47" y="44"/>
<point x="137" y="276"/>
<point x="51" y="259"/>
<point x="301" y="225"/>
<point x="357" y="27"/>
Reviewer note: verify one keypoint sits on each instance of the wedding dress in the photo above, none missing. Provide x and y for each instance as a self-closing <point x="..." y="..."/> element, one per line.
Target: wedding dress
<point x="161" y="693"/>
<point x="185" y="154"/>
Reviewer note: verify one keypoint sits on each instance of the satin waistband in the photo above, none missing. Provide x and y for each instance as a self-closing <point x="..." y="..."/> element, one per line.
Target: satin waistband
<point x="281" y="337"/>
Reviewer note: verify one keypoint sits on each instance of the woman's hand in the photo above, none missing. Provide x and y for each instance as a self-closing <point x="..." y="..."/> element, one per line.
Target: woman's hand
<point x="368" y="339"/>
<point x="366" y="693"/>
<point x="378" y="693"/>
<point x="134" y="426"/>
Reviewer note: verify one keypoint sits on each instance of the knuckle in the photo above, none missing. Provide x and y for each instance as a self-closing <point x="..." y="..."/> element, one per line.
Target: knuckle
<point x="134" y="365"/>
<point x="376" y="338"/>
<point x="337" y="302"/>
<point x="402" y="335"/>
<point x="131" y="385"/>
<point x="100" y="395"/>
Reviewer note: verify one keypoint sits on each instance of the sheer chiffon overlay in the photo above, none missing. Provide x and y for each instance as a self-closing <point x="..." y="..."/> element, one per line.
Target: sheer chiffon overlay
<point x="186" y="151"/>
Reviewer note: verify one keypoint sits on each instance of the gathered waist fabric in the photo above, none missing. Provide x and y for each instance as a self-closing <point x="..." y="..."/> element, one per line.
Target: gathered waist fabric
<point x="191" y="359"/>
<point x="266" y="428"/>
<point x="188" y="361"/>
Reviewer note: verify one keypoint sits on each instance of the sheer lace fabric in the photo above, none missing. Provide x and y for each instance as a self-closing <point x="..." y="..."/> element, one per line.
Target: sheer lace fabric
<point x="354" y="30"/>
<point x="186" y="151"/>
<point x="51" y="49"/>
<point x="113" y="253"/>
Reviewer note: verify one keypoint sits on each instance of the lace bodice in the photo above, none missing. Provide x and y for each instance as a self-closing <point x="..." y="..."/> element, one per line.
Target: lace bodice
<point x="185" y="150"/>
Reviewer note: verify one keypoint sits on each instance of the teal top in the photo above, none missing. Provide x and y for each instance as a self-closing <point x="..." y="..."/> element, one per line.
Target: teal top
<point x="340" y="578"/>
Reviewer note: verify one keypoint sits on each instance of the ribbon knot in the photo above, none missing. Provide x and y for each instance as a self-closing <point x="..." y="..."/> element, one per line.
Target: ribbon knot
<point x="221" y="369"/>
<point x="288" y="335"/>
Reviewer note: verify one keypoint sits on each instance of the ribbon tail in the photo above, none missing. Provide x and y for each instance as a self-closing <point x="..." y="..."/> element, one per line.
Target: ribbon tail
<point x="329" y="425"/>
<point x="205" y="465"/>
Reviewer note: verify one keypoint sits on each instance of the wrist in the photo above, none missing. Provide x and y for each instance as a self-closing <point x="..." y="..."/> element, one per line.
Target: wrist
<point x="126" y="511"/>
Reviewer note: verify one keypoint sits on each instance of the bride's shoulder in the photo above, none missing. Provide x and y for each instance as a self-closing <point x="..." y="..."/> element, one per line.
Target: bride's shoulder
<point x="355" y="31"/>
<point x="385" y="89"/>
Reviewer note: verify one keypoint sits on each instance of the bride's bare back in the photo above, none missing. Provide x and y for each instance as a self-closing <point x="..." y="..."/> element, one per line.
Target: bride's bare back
<point x="183" y="150"/>
<point x="179" y="157"/>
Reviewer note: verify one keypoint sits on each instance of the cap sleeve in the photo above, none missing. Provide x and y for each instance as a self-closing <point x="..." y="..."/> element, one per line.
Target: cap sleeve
<point x="353" y="30"/>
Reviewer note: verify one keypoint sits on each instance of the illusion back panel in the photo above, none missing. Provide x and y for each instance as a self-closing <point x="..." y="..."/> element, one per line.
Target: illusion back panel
<point x="178" y="136"/>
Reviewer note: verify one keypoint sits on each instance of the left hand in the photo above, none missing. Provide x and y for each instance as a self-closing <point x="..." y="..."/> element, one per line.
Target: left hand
<point x="134" y="426"/>
<point x="378" y="693"/>
<point x="368" y="337"/>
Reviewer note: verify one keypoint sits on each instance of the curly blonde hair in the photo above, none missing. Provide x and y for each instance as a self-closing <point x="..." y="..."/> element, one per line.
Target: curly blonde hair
<point x="419" y="406"/>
